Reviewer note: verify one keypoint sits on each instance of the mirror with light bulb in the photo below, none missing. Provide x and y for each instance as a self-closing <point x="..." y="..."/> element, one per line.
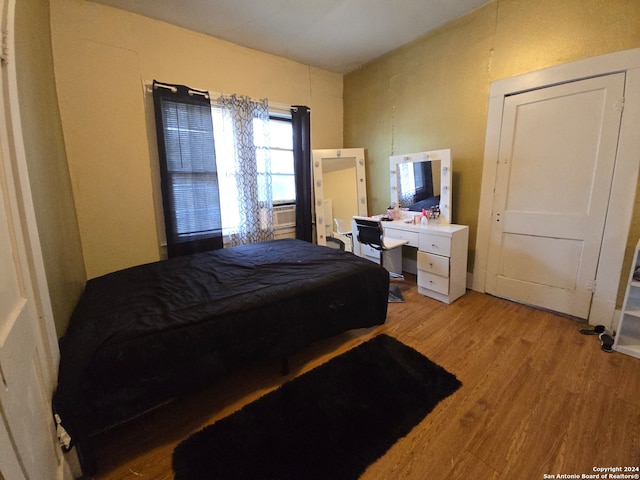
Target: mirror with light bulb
<point x="422" y="181"/>
<point x="340" y="192"/>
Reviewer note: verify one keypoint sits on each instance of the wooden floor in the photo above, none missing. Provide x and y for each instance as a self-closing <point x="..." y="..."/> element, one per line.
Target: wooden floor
<point x="537" y="398"/>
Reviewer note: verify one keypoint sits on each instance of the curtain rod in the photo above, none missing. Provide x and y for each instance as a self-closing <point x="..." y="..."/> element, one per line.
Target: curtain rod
<point x="174" y="89"/>
<point x="147" y="86"/>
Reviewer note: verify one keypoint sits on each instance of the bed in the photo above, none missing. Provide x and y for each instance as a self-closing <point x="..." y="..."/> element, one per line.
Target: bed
<point x="142" y="336"/>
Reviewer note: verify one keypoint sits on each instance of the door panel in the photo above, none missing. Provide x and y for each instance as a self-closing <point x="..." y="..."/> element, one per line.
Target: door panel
<point x="541" y="260"/>
<point x="553" y="180"/>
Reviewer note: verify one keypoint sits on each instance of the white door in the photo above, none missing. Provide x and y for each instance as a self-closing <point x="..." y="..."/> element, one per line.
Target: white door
<point x="555" y="167"/>
<point x="28" y="445"/>
<point x="25" y="394"/>
<point x="25" y="408"/>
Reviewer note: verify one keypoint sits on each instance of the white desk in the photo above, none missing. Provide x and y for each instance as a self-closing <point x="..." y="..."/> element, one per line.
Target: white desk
<point x="441" y="265"/>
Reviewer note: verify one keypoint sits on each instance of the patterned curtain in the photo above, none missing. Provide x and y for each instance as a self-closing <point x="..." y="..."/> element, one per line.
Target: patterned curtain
<point x="249" y="122"/>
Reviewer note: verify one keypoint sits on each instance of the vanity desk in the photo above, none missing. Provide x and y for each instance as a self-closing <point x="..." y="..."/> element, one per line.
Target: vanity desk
<point x="441" y="266"/>
<point x="422" y="181"/>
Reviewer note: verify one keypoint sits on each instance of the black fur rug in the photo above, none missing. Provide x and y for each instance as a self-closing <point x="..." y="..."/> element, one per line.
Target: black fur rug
<point x="330" y="423"/>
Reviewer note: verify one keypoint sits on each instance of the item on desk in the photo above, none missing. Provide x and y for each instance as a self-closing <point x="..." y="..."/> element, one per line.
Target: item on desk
<point x="424" y="221"/>
<point x="391" y="212"/>
<point x="433" y="214"/>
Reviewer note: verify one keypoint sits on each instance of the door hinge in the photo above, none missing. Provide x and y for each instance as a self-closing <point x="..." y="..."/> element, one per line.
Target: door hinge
<point x="619" y="105"/>
<point x="592" y="286"/>
<point x="4" y="48"/>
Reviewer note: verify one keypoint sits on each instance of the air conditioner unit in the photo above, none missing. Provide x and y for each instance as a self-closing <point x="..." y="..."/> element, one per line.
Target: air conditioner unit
<point x="284" y="216"/>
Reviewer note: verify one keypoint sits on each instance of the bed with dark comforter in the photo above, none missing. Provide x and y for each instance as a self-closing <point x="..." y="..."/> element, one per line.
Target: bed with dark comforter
<point x="142" y="336"/>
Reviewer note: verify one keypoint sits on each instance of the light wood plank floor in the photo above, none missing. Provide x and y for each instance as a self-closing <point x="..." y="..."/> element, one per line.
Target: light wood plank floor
<point x="537" y="398"/>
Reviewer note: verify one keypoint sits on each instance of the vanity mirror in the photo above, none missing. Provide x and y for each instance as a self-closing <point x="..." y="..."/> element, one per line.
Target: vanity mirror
<point x="422" y="180"/>
<point x="340" y="189"/>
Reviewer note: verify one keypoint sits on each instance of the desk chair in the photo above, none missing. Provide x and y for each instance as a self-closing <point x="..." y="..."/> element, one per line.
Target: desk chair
<point x="370" y="232"/>
<point x="335" y="243"/>
<point x="343" y="228"/>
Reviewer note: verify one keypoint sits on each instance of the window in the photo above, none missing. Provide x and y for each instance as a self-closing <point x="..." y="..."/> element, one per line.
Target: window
<point x="224" y="165"/>
<point x="280" y="136"/>
<point x="188" y="170"/>
<point x="281" y="139"/>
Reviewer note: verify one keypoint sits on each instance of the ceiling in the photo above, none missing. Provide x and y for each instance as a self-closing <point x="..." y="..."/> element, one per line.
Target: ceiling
<point x="335" y="35"/>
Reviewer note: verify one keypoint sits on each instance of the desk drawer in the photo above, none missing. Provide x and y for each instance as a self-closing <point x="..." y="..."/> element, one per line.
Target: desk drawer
<point x="435" y="264"/>
<point x="435" y="244"/>
<point x="433" y="282"/>
<point x="411" y="237"/>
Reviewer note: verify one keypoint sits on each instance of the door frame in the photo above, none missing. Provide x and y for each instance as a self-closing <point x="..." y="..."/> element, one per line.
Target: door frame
<point x="14" y="153"/>
<point x="20" y="201"/>
<point x="625" y="177"/>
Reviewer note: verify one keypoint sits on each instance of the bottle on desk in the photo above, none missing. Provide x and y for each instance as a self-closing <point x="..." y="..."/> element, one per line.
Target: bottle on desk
<point x="424" y="220"/>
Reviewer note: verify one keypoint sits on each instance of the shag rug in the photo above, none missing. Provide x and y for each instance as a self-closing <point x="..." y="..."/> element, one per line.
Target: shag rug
<point x="330" y="423"/>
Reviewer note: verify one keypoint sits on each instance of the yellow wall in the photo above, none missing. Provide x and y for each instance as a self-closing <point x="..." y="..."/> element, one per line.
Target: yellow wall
<point x="433" y="93"/>
<point x="102" y="55"/>
<point x="429" y="94"/>
<point x="46" y="160"/>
